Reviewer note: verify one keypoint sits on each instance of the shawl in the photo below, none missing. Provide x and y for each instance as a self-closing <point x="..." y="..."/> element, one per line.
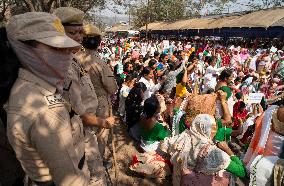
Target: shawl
<point x="258" y="142"/>
<point x="184" y="148"/>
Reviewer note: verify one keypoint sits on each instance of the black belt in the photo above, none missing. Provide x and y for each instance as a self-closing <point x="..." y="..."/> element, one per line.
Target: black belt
<point x="51" y="183"/>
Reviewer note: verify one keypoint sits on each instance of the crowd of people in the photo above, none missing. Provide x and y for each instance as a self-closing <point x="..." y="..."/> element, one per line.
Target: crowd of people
<point x="205" y="112"/>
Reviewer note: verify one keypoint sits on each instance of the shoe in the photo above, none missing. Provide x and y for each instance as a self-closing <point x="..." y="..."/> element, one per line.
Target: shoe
<point x="107" y="164"/>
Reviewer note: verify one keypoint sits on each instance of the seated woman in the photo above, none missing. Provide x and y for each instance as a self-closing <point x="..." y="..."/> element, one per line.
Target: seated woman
<point x="182" y="80"/>
<point x="266" y="146"/>
<point x="225" y="78"/>
<point x="123" y="93"/>
<point x="239" y="113"/>
<point x="152" y="132"/>
<point x="147" y="78"/>
<point x="180" y="123"/>
<point x="133" y="104"/>
<point x="197" y="160"/>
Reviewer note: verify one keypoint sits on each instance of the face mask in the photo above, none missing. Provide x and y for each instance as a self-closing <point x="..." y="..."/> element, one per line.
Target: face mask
<point x="49" y="65"/>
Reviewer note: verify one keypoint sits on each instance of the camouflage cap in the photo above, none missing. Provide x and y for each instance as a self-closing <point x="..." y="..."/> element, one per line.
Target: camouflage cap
<point x="92" y="30"/>
<point x="39" y="26"/>
<point x="70" y="16"/>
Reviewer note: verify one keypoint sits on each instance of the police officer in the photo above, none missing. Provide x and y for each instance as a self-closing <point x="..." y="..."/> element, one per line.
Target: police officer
<point x="102" y="78"/>
<point x="48" y="143"/>
<point x="80" y="92"/>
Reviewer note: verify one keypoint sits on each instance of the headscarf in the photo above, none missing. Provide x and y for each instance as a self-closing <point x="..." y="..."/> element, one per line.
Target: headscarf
<point x="51" y="66"/>
<point x="186" y="147"/>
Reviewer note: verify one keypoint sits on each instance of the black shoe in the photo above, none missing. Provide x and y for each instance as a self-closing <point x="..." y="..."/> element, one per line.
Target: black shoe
<point x="107" y="164"/>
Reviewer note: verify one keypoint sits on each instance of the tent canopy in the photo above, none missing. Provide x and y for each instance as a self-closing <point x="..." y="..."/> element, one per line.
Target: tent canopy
<point x="258" y="19"/>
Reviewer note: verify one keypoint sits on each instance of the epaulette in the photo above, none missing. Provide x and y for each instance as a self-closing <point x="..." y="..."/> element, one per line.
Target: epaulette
<point x="82" y="71"/>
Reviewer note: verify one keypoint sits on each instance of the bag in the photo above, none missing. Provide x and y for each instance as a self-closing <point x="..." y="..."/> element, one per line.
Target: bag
<point x="151" y="165"/>
<point x="193" y="177"/>
<point x="200" y="104"/>
<point x="196" y="178"/>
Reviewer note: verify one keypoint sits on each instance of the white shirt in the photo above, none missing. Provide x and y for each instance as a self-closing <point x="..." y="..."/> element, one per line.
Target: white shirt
<point x="151" y="87"/>
<point x="214" y="70"/>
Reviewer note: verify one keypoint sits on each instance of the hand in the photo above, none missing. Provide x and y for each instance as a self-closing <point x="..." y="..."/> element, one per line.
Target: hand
<point x="195" y="62"/>
<point x="240" y="121"/>
<point x="109" y="122"/>
<point x="222" y="95"/>
<point x="163" y="80"/>
<point x="224" y="147"/>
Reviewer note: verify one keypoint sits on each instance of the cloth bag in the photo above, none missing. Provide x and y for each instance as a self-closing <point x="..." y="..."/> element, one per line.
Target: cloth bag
<point x="151" y="165"/>
<point x="200" y="104"/>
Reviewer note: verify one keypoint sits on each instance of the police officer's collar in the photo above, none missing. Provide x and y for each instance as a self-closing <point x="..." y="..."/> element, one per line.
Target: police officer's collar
<point x="45" y="88"/>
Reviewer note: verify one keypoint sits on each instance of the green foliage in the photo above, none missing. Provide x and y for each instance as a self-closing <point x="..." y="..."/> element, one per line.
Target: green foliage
<point x="158" y="10"/>
<point x="13" y="7"/>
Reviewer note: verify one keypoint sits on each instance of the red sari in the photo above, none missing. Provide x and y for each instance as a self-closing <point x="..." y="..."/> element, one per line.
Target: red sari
<point x="238" y="114"/>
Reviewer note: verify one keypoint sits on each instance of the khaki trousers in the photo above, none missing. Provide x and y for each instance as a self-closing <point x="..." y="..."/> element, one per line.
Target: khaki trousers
<point x="94" y="159"/>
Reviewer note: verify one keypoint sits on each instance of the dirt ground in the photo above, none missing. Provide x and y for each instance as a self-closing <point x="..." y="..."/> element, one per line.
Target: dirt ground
<point x="125" y="149"/>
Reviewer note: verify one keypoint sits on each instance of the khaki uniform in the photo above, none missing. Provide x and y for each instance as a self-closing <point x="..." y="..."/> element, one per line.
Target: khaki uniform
<point x="80" y="93"/>
<point x="49" y="145"/>
<point x="105" y="85"/>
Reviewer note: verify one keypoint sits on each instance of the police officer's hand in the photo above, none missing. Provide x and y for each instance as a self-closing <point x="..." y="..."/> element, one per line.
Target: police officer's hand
<point x="109" y="122"/>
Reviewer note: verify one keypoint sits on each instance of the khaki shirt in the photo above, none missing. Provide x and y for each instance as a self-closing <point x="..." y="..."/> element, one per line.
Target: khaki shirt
<point x="102" y="77"/>
<point x="103" y="81"/>
<point x="47" y="143"/>
<point x="79" y="90"/>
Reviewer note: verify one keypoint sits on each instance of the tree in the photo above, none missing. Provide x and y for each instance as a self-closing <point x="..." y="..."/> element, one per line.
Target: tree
<point x="21" y="6"/>
<point x="158" y="10"/>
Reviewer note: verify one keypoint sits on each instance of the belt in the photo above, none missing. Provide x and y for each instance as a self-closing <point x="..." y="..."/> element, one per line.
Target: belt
<point x="51" y="183"/>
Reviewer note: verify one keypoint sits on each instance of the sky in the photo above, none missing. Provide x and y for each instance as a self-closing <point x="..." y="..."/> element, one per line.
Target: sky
<point x="114" y="13"/>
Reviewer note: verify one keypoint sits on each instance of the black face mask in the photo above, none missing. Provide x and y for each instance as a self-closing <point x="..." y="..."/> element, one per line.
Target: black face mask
<point x="92" y="43"/>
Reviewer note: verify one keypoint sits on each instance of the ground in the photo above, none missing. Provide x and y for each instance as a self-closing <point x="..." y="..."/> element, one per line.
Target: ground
<point x="125" y="149"/>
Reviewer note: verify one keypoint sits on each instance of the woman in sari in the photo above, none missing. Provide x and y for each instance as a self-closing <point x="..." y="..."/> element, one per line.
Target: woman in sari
<point x="151" y="130"/>
<point x="266" y="146"/>
<point x="197" y="160"/>
<point x="225" y="78"/>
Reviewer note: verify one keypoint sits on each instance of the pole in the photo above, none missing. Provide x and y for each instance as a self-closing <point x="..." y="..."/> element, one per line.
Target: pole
<point x="147" y="13"/>
<point x="129" y="9"/>
<point x="113" y="151"/>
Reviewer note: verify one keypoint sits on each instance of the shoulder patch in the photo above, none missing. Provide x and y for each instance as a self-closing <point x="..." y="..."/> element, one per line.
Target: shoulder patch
<point x="55" y="100"/>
